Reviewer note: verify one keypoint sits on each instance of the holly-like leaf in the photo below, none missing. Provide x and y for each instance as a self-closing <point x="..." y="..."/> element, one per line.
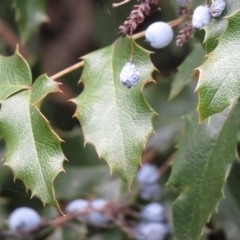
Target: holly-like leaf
<point x="186" y="70"/>
<point x="32" y="149"/>
<point x="117" y="120"/>
<point x="219" y="82"/>
<point x="200" y="168"/>
<point x="218" y="25"/>
<point x="30" y="14"/>
<point x="11" y="67"/>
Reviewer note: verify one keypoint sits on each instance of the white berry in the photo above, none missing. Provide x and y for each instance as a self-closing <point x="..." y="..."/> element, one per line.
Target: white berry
<point x="149" y="191"/>
<point x="217" y="8"/>
<point x="129" y="75"/>
<point x="201" y="16"/>
<point x="151" y="231"/>
<point x="96" y="218"/>
<point x="78" y="205"/>
<point x="24" y="219"/>
<point x="153" y="212"/>
<point x="159" y="34"/>
<point x="147" y="174"/>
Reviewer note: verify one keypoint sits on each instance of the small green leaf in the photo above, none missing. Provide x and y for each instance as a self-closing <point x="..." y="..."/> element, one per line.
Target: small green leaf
<point x="30" y="14"/>
<point x="15" y="75"/>
<point x="219" y="82"/>
<point x="200" y="168"/>
<point x="32" y="149"/>
<point x="185" y="70"/>
<point x="115" y="119"/>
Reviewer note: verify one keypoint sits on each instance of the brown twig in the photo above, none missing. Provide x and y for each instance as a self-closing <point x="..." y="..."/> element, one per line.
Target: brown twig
<point x="166" y="165"/>
<point x="120" y="3"/>
<point x="173" y="23"/>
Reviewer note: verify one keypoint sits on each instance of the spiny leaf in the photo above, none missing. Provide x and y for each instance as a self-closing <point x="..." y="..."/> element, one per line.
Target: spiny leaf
<point x="219" y="82"/>
<point x="115" y="119"/>
<point x="200" y="168"/>
<point x="32" y="149"/>
<point x="30" y="14"/>
<point x="15" y="75"/>
<point x="218" y="25"/>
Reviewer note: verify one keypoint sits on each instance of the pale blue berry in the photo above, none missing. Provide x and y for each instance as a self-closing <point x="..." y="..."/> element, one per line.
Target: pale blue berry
<point x="201" y="16"/>
<point x="151" y="231"/>
<point x="217" y="8"/>
<point x="153" y="212"/>
<point x="129" y="75"/>
<point x="149" y="191"/>
<point x="147" y="174"/>
<point x="159" y="34"/>
<point x="78" y="205"/>
<point x="24" y="219"/>
<point x="95" y="217"/>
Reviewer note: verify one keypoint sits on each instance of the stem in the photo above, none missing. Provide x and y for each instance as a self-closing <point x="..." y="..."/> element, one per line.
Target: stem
<point x="173" y="23"/>
<point x="67" y="70"/>
<point x="121" y="3"/>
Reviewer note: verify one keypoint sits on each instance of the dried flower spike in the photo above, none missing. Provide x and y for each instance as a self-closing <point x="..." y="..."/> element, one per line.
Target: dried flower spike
<point x="137" y="16"/>
<point x="184" y="34"/>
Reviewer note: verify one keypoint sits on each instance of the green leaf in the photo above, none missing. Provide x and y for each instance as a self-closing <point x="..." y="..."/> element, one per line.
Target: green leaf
<point x="11" y="67"/>
<point x="219" y="82"/>
<point x="32" y="149"/>
<point x="218" y="25"/>
<point x="30" y="14"/>
<point x="200" y="169"/>
<point x="115" y="119"/>
<point x="168" y="124"/>
<point x="185" y="71"/>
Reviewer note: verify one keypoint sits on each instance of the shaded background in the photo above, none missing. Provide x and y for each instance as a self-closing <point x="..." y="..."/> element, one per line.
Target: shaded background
<point x="75" y="28"/>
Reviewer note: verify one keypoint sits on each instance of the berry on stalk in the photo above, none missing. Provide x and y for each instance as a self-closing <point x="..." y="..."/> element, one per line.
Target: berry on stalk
<point x="153" y="212"/>
<point x="96" y="218"/>
<point x="24" y="219"/>
<point x="129" y="75"/>
<point x="78" y="205"/>
<point x="159" y="34"/>
<point x="151" y="231"/>
<point x="201" y="16"/>
<point x="147" y="174"/>
<point x="217" y="7"/>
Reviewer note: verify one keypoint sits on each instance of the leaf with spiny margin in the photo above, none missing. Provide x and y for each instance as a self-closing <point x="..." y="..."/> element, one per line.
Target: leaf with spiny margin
<point x="186" y="70"/>
<point x="33" y="150"/>
<point x="14" y="75"/>
<point x="217" y="26"/>
<point x="219" y="81"/>
<point x="115" y="119"/>
<point x="30" y="14"/>
<point x="200" y="168"/>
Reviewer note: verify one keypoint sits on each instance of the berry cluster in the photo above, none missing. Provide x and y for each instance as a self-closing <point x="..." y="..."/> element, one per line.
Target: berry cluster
<point x="90" y="212"/>
<point x="160" y="34"/>
<point x="150" y="221"/>
<point x="147" y="178"/>
<point x="153" y="224"/>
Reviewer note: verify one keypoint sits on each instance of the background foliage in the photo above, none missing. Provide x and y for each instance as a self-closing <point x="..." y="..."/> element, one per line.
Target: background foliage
<point x="53" y="35"/>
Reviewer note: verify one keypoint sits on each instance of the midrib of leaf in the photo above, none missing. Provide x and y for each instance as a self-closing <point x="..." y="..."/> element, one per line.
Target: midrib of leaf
<point x="115" y="93"/>
<point x="33" y="138"/>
